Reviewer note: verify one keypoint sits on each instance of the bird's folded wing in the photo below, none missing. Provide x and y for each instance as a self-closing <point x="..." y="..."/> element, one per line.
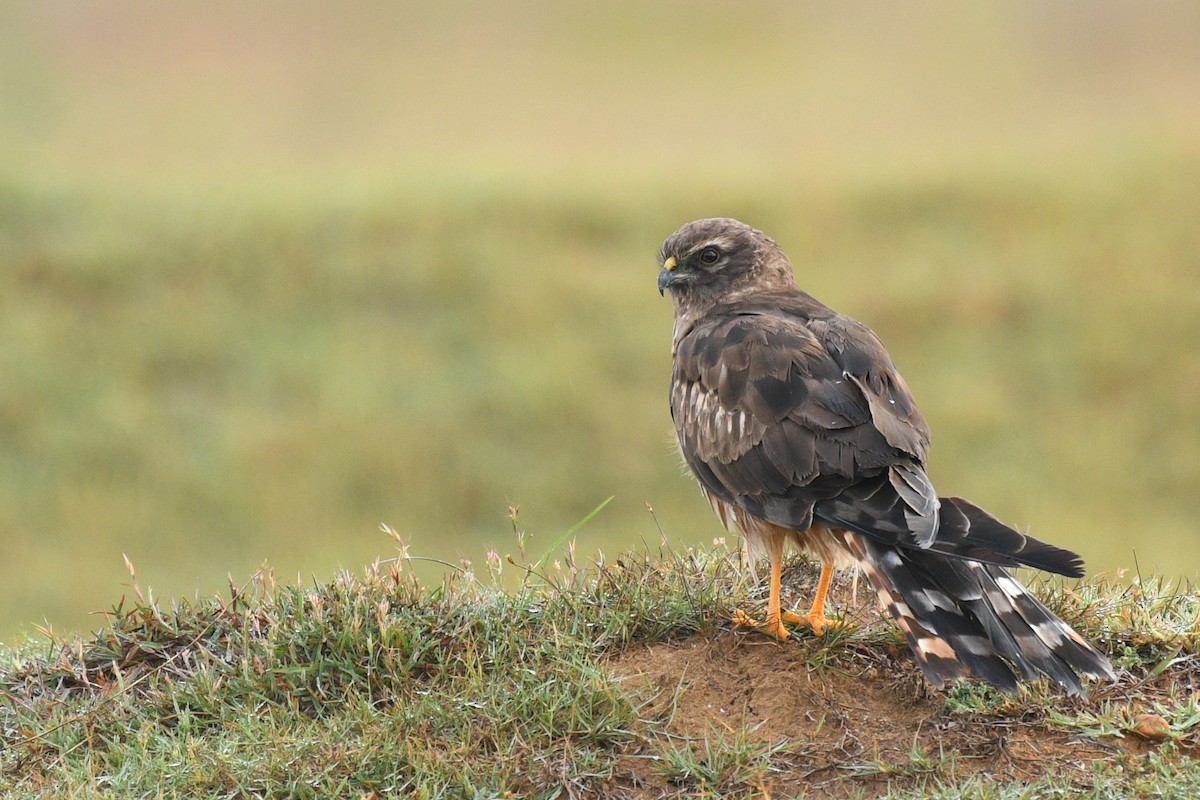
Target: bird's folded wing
<point x="776" y="411"/>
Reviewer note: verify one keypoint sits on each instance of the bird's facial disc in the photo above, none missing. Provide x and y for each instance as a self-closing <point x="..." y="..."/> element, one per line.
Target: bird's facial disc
<point x="695" y="265"/>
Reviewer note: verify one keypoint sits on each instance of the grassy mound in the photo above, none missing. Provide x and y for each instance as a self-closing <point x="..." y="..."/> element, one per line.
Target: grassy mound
<point x="617" y="679"/>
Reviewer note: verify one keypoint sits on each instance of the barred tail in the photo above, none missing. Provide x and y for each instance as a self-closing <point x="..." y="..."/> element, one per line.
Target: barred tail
<point x="964" y="618"/>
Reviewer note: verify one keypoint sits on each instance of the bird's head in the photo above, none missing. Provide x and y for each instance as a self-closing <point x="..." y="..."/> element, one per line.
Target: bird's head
<point x="716" y="259"/>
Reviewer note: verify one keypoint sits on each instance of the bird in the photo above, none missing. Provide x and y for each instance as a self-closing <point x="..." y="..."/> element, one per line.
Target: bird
<point x="800" y="430"/>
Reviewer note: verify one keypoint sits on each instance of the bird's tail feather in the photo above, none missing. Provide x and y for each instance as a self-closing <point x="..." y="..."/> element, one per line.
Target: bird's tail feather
<point x="876" y="510"/>
<point x="963" y="617"/>
<point x="967" y="531"/>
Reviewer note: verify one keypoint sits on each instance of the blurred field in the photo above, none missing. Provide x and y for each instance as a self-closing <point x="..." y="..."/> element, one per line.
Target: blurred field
<point x="269" y="279"/>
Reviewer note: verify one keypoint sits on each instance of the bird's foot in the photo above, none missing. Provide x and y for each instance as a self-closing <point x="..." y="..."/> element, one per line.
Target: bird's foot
<point x="816" y="620"/>
<point x="772" y="627"/>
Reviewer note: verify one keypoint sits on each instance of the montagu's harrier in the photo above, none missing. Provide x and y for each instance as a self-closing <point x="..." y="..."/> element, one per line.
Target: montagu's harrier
<point x="799" y="429"/>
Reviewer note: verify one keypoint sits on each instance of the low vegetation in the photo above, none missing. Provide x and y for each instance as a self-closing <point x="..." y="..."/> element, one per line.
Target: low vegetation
<point x="618" y="679"/>
<point x="267" y="279"/>
<point x="211" y="380"/>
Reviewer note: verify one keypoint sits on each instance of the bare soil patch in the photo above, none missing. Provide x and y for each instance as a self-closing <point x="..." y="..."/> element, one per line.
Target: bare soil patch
<point x="856" y="717"/>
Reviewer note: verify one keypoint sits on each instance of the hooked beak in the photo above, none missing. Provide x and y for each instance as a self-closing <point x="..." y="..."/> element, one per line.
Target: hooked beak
<point x="666" y="276"/>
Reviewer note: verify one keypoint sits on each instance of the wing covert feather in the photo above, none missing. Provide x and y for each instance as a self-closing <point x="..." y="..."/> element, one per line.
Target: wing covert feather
<point x="765" y="409"/>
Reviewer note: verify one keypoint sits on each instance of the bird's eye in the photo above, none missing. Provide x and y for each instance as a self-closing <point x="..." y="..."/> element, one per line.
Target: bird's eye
<point x="710" y="255"/>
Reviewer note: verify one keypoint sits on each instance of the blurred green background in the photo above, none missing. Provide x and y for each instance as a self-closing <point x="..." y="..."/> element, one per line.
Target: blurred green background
<point x="272" y="274"/>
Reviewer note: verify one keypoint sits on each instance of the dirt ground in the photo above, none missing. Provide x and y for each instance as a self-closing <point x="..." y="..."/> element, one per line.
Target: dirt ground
<point x="857" y="721"/>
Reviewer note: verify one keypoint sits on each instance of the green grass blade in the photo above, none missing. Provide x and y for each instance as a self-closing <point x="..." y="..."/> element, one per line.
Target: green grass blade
<point x="570" y="532"/>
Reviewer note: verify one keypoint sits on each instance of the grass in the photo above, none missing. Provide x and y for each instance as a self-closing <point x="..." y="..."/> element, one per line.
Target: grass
<point x="364" y="684"/>
<point x="718" y="761"/>
<point x="206" y="384"/>
<point x="373" y="685"/>
<point x="267" y="281"/>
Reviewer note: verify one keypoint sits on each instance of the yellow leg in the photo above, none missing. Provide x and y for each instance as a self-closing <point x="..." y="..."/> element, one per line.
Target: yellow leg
<point x="774" y="625"/>
<point x="815" y="618"/>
